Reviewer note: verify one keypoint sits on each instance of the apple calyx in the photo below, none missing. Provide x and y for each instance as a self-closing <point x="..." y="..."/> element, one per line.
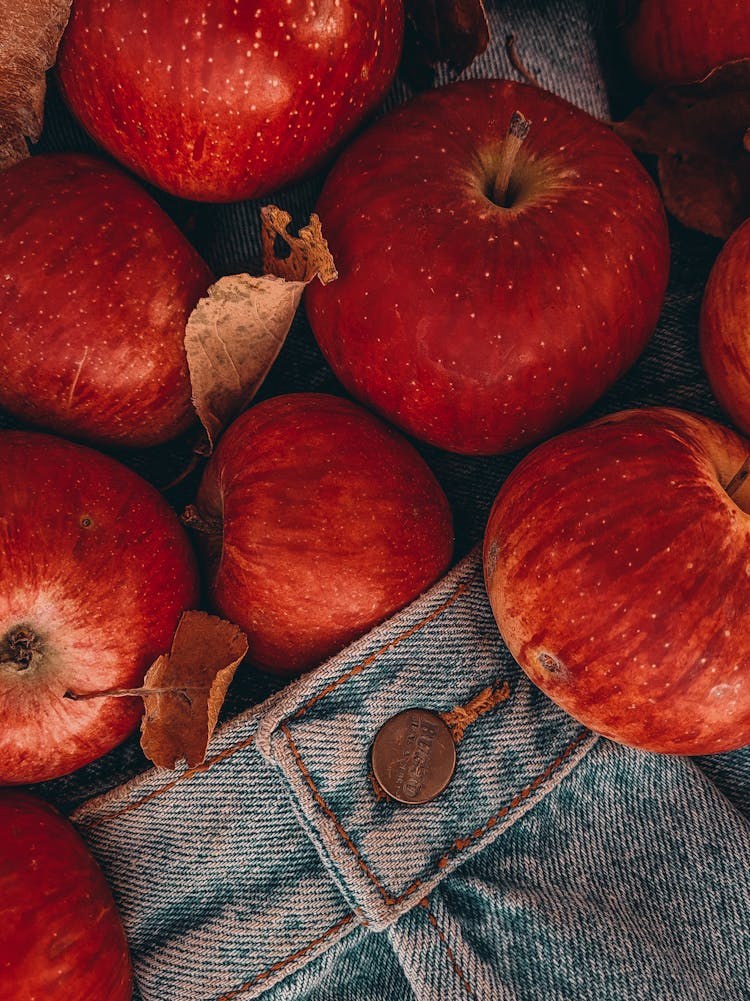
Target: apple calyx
<point x="19" y="648"/>
<point x="518" y="129"/>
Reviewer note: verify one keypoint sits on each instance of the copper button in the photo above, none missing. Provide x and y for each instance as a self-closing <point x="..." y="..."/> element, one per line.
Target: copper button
<point x="413" y="756"/>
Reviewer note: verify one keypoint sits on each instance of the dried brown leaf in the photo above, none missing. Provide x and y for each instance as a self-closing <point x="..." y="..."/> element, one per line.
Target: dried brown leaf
<point x="450" y="31"/>
<point x="705" y="194"/>
<point x="30" y="31"/>
<point x="234" y="335"/>
<point x="308" y="257"/>
<point x="184" y="690"/>
<point x="698" y="131"/>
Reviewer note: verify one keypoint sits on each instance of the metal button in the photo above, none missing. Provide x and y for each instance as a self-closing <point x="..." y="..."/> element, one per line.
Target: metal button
<point x="414" y="756"/>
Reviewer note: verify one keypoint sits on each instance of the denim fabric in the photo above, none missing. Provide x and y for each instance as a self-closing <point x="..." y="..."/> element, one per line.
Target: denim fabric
<point x="556" y="865"/>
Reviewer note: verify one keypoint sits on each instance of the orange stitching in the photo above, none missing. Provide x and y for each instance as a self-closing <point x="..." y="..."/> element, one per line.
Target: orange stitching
<point x="326" y="809"/>
<point x="285" y="962"/>
<point x="459" y="845"/>
<point x="188" y="774"/>
<point x="462" y="843"/>
<point x="387" y="646"/>
<point x="433" y="921"/>
<point x="227" y="752"/>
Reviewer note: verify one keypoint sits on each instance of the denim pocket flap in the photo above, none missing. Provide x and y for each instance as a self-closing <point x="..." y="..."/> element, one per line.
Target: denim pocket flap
<point x="442" y="654"/>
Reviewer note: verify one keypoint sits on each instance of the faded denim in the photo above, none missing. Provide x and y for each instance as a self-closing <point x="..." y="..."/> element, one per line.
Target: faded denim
<point x="556" y="866"/>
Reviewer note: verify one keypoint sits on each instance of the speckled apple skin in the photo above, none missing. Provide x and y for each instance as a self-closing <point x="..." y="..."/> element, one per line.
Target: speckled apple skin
<point x="676" y="41"/>
<point x="725" y="328"/>
<point x="476" y="327"/>
<point x="96" y="285"/>
<point x="330" y="522"/>
<point x="62" y="938"/>
<point x="618" y="570"/>
<point x="218" y="100"/>
<point x="96" y="565"/>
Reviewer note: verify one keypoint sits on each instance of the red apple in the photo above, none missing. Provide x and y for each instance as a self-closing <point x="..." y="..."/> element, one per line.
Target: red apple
<point x="618" y="569"/>
<point x="725" y="327"/>
<point x="96" y="285"/>
<point x="476" y="320"/>
<point x="324" y="521"/>
<point x="674" y="41"/>
<point x="95" y="570"/>
<point x="219" y="100"/>
<point x="61" y="938"/>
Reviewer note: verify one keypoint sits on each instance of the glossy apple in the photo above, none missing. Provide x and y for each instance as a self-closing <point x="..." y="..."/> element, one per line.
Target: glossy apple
<point x="725" y="327"/>
<point x="219" y="100"/>
<point x="61" y="937"/>
<point x="618" y="569"/>
<point x="671" y="41"/>
<point x="323" y="522"/>
<point x="96" y="285"/>
<point x="477" y="322"/>
<point x="95" y="570"/>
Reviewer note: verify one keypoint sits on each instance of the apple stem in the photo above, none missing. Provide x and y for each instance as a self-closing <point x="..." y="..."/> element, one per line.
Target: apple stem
<point x="192" y="518"/>
<point x="514" y="137"/>
<point x="739" y="478"/>
<point x="118" y="693"/>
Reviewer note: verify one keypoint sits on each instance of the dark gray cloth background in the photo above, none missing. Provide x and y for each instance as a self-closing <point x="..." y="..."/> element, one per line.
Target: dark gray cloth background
<point x="227" y="236"/>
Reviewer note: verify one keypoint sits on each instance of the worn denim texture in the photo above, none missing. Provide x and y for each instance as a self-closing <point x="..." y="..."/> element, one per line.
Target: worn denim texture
<point x="556" y="866"/>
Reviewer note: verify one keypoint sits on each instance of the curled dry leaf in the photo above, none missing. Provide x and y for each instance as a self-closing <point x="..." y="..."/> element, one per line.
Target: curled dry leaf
<point x="308" y="257"/>
<point x="30" y="31"/>
<point x="450" y="31"/>
<point x="184" y="690"/>
<point x="698" y="131"/>
<point x="234" y="335"/>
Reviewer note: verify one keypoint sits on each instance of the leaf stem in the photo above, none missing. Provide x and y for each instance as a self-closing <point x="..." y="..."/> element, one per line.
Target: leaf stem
<point x="516" y="62"/>
<point x="118" y="693"/>
<point x="739" y="478"/>
<point x="190" y="467"/>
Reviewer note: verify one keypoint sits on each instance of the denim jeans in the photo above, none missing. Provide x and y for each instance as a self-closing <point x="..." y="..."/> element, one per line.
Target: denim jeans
<point x="556" y="865"/>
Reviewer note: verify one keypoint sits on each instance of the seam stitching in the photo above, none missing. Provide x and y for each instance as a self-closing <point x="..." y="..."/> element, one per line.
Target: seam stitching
<point x="280" y="964"/>
<point x="229" y="751"/>
<point x="188" y="774"/>
<point x="459" y="845"/>
<point x="434" y="614"/>
<point x="449" y="952"/>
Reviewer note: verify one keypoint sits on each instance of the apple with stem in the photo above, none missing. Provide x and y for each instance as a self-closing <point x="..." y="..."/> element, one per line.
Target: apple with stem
<point x="670" y="41"/>
<point x="95" y="571"/>
<point x="61" y="937"/>
<point x="316" y="522"/>
<point x="96" y="285"/>
<point x="617" y="565"/>
<point x="502" y="260"/>
<point x="725" y="328"/>
<point x="219" y="100"/>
